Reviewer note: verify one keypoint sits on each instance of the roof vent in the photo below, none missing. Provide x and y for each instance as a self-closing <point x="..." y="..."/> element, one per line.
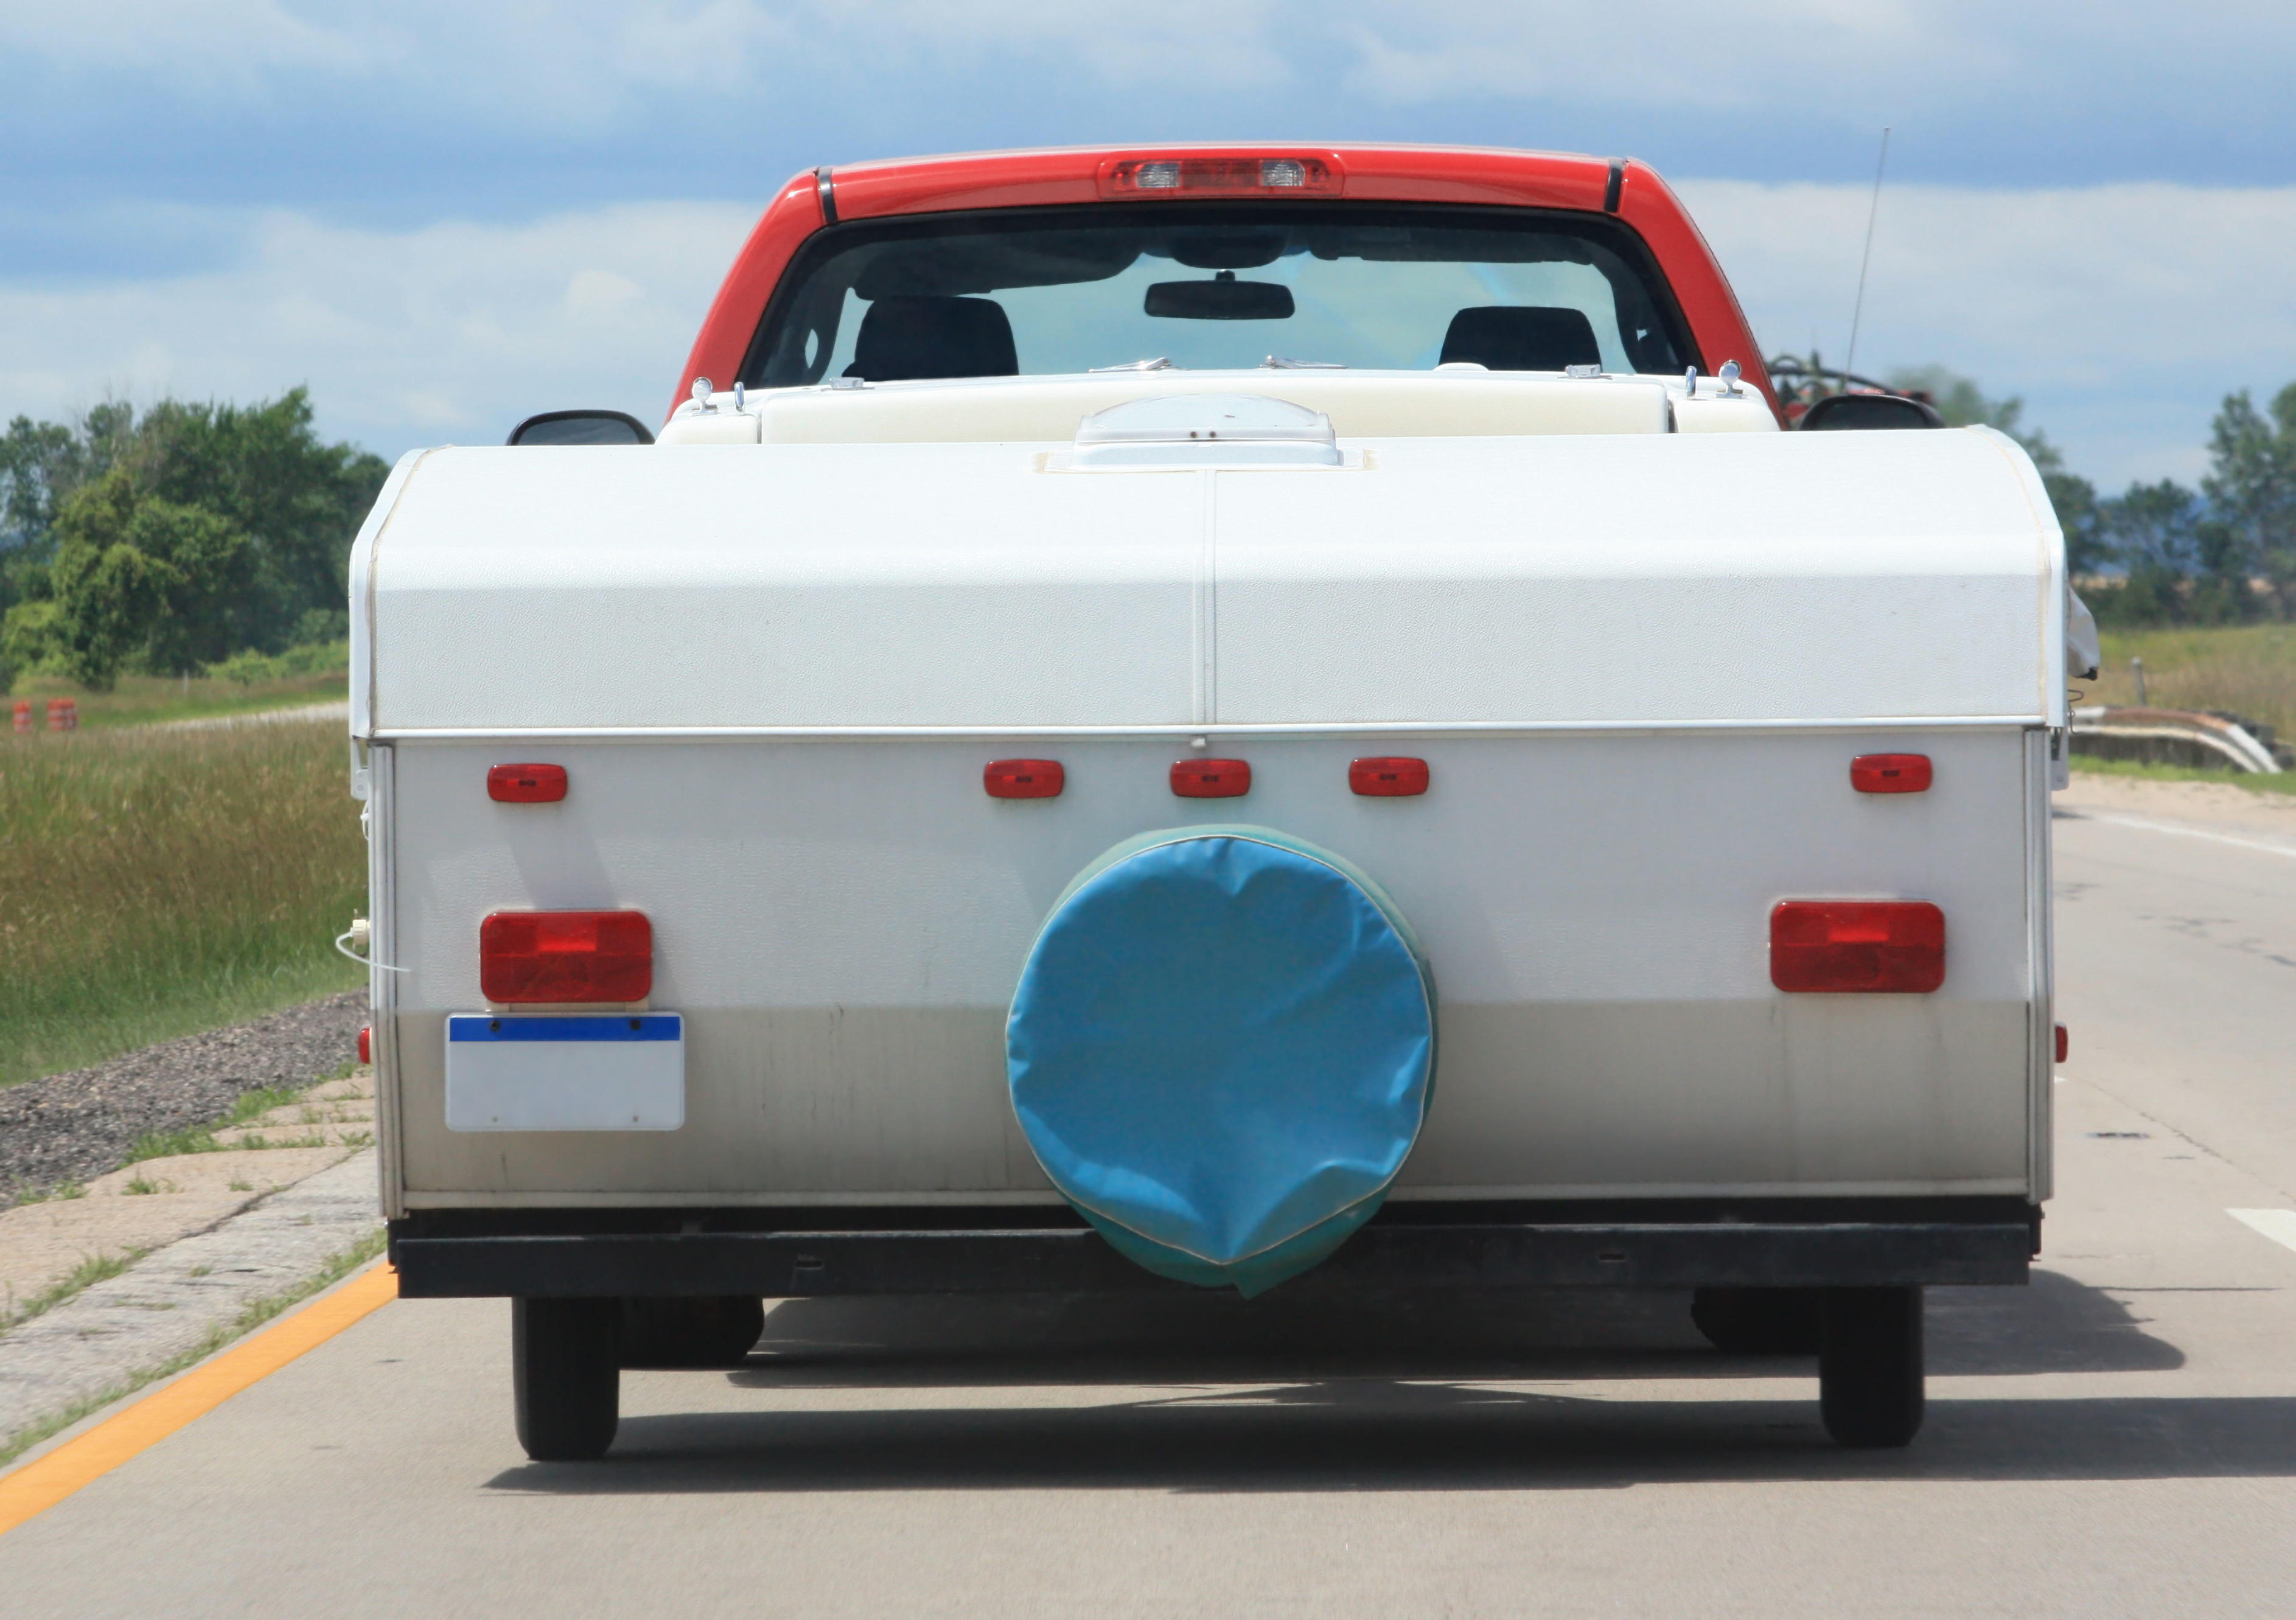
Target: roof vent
<point x="1206" y="430"/>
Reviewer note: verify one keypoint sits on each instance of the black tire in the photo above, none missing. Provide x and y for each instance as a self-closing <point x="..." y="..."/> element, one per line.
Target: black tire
<point x="563" y="1378"/>
<point x="1758" y="1321"/>
<point x="1870" y="1384"/>
<point x="698" y="1330"/>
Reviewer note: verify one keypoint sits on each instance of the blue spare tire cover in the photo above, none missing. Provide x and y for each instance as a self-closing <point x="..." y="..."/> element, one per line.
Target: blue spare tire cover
<point x="1221" y="1051"/>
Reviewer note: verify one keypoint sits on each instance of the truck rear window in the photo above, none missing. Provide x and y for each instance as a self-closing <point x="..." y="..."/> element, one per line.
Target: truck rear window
<point x="1041" y="292"/>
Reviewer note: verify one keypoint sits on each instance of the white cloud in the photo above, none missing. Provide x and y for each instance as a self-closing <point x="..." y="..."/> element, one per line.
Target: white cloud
<point x="233" y="41"/>
<point x="590" y="65"/>
<point x="549" y="52"/>
<point x="1877" y="62"/>
<point x="2123" y="314"/>
<point x="1196" y="44"/>
<point x="1641" y="53"/>
<point x="452" y="332"/>
<point x="546" y="62"/>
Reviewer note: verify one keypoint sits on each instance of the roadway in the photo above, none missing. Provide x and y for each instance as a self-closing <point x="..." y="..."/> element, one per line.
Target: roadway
<point x="2118" y="1439"/>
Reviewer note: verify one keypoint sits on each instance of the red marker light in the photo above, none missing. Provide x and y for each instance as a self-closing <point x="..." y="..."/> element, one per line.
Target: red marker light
<point x="1212" y="778"/>
<point x="366" y="1044"/>
<point x="1888" y="947"/>
<point x="1151" y="178"/>
<point x="1023" y="778"/>
<point x="566" y="955"/>
<point x="526" y="784"/>
<point x="1394" y="779"/>
<point x="1891" y="773"/>
<point x="2064" y="1042"/>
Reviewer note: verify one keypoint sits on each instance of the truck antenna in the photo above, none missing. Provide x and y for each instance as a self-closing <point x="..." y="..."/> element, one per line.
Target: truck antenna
<point x="1857" y="310"/>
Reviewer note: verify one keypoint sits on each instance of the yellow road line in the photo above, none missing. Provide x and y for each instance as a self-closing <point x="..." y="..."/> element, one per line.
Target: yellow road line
<point x="38" y="1486"/>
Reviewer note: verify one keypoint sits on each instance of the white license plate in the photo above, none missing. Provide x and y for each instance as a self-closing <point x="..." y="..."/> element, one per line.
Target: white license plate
<point x="565" y="1071"/>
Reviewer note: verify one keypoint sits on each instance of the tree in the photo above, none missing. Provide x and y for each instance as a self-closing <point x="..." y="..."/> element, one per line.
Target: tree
<point x="261" y="468"/>
<point x="2155" y="531"/>
<point x="41" y="464"/>
<point x="299" y="500"/>
<point x="33" y="637"/>
<point x="145" y="581"/>
<point x="2251" y="485"/>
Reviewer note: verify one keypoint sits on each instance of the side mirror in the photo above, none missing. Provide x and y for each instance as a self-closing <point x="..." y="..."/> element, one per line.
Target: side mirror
<point x="1840" y="411"/>
<point x="580" y="427"/>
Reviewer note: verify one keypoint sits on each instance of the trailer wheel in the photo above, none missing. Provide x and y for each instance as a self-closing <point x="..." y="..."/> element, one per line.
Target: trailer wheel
<point x="690" y="1330"/>
<point x="1758" y="1321"/>
<point x="1869" y="1366"/>
<point x="563" y="1378"/>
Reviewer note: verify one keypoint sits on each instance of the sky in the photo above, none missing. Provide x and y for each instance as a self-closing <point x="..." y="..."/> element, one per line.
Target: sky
<point x="441" y="217"/>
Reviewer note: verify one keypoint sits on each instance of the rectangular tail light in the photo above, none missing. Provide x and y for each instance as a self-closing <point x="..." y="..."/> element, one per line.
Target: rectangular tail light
<point x="1387" y="778"/>
<point x="1023" y="778"/>
<point x="1891" y="773"/>
<point x="526" y="784"/>
<point x="566" y="955"/>
<point x="1849" y="946"/>
<point x="1289" y="174"/>
<point x="1212" y="778"/>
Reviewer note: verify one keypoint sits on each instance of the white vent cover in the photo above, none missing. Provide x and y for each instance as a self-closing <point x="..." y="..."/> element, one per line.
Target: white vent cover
<point x="1206" y="430"/>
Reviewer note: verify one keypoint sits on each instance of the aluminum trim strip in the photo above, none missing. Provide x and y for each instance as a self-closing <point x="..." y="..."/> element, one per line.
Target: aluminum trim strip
<point x="1993" y="722"/>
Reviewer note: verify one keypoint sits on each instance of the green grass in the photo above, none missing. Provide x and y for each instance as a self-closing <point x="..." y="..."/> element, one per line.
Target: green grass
<point x="155" y="883"/>
<point x="141" y="700"/>
<point x="2254" y="782"/>
<point x="85" y="1275"/>
<point x="2249" y="669"/>
<point x="264" y="1144"/>
<point x="251" y="1107"/>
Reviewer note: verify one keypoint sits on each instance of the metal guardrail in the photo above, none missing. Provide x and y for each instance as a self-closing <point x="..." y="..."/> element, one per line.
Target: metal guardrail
<point x="2178" y="737"/>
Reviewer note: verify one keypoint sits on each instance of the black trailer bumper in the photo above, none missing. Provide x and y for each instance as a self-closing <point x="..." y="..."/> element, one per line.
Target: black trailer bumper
<point x="790" y="1253"/>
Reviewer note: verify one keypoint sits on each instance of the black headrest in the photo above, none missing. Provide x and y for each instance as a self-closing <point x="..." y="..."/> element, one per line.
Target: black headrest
<point x="1506" y="338"/>
<point x="902" y="338"/>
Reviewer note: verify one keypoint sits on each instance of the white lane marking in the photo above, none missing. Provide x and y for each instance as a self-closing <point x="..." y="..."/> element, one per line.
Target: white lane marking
<point x="2277" y="1224"/>
<point x="2189" y="832"/>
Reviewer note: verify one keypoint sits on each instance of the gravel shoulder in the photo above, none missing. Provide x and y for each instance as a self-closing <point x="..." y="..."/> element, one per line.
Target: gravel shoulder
<point x="78" y="1126"/>
<point x="2218" y="808"/>
<point x="51" y="1247"/>
<point x="112" y="1275"/>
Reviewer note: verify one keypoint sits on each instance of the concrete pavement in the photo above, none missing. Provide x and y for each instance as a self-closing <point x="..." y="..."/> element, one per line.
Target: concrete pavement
<point x="2118" y="1439"/>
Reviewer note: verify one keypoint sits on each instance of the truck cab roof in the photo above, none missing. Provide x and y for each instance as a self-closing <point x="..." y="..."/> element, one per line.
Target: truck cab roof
<point x="1023" y="263"/>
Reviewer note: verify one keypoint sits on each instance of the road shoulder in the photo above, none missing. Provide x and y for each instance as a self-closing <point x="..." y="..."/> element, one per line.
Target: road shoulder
<point x="184" y="1301"/>
<point x="2207" y="806"/>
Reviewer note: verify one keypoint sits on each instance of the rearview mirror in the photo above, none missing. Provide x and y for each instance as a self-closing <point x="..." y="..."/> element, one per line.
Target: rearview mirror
<point x="1224" y="299"/>
<point x="1840" y="411"/>
<point x="580" y="427"/>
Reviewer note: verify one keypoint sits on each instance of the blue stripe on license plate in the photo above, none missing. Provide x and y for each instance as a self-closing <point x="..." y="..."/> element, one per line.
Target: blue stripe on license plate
<point x="620" y="1026"/>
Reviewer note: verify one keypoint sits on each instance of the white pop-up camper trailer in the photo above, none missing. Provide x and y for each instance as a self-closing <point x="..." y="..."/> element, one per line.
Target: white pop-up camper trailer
<point x="949" y="817"/>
